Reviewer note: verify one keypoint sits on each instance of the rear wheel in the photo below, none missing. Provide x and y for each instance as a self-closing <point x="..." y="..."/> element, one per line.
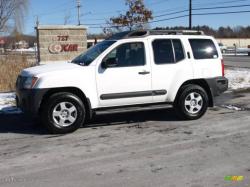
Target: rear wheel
<point x="192" y="102"/>
<point x="63" y="113"/>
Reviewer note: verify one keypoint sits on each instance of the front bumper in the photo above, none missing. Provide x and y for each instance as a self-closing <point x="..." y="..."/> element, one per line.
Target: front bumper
<point x="218" y="85"/>
<point x="29" y="101"/>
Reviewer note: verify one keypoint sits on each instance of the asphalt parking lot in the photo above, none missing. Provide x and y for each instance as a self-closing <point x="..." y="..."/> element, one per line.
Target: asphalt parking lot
<point x="151" y="148"/>
<point x="136" y="149"/>
<point x="237" y="61"/>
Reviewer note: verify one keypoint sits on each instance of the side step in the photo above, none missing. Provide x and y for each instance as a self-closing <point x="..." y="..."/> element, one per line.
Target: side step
<point x="137" y="108"/>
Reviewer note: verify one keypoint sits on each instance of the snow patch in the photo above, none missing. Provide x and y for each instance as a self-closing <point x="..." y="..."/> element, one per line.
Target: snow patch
<point x="232" y="107"/>
<point x="239" y="78"/>
<point x="8" y="104"/>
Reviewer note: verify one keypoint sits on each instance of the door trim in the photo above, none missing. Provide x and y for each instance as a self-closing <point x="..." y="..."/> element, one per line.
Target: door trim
<point x="133" y="94"/>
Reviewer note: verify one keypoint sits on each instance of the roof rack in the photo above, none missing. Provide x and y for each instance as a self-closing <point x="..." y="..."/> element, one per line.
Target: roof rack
<point x="144" y="33"/>
<point x="176" y="32"/>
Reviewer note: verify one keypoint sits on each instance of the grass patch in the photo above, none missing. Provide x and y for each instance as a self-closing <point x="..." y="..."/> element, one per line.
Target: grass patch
<point x="10" y="67"/>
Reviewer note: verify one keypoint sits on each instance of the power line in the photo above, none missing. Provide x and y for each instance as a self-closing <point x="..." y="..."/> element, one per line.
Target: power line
<point x="218" y="13"/>
<point x="220" y="2"/>
<point x="182" y="16"/>
<point x="202" y="14"/>
<point x="222" y="7"/>
<point x="204" y="8"/>
<point x="172" y="13"/>
<point x="196" y="5"/>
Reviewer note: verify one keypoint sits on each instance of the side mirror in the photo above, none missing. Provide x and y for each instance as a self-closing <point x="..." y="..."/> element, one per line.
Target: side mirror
<point x="110" y="62"/>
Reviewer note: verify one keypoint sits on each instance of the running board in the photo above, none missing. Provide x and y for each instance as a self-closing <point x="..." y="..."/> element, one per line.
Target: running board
<point x="136" y="108"/>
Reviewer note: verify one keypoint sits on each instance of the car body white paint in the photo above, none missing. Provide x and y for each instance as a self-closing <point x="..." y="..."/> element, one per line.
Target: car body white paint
<point x="94" y="81"/>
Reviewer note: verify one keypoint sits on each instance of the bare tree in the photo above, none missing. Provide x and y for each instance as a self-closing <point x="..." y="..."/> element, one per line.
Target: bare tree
<point x="67" y="17"/>
<point x="136" y="17"/>
<point x="12" y="11"/>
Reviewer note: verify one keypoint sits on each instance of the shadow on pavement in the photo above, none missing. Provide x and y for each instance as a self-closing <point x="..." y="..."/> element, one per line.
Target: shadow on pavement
<point x="19" y="123"/>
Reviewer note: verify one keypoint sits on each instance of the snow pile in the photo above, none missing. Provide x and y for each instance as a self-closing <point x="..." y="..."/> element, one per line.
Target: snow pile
<point x="8" y="104"/>
<point x="239" y="78"/>
<point x="32" y="49"/>
<point x="232" y="107"/>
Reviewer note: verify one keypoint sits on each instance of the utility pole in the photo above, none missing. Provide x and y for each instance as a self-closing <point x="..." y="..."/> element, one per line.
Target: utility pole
<point x="190" y="14"/>
<point x="37" y="21"/>
<point x="78" y="11"/>
<point x="37" y="47"/>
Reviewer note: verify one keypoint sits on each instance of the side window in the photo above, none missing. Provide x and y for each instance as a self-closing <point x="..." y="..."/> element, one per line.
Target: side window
<point x="163" y="51"/>
<point x="178" y="49"/>
<point x="203" y="49"/>
<point x="128" y="54"/>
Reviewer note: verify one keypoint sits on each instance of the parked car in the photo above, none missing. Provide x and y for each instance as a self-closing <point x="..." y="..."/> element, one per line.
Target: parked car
<point x="223" y="48"/>
<point x="130" y="71"/>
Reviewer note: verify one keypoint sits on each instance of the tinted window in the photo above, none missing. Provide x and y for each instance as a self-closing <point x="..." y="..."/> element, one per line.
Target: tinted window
<point x="203" y="48"/>
<point x="163" y="51"/>
<point x="129" y="54"/>
<point x="178" y="49"/>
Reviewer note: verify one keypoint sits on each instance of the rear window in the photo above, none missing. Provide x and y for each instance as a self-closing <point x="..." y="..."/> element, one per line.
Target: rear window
<point x="203" y="49"/>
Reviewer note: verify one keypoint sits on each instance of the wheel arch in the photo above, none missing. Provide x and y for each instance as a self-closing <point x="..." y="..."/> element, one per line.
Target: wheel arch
<point x="73" y="90"/>
<point x="202" y="83"/>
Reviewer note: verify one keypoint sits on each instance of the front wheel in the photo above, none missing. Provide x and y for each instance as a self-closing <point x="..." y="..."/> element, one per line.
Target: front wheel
<point x="63" y="113"/>
<point x="192" y="103"/>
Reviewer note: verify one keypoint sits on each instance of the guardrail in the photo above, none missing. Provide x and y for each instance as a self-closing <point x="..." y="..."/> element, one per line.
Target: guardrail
<point x="237" y="51"/>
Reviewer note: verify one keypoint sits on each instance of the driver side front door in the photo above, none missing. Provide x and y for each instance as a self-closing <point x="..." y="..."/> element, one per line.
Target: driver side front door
<point x="128" y="80"/>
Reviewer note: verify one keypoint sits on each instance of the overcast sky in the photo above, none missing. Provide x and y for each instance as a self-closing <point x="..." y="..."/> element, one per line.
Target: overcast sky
<point x="94" y="13"/>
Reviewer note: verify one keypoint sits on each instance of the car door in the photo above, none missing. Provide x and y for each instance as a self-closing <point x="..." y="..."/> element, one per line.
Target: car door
<point x="170" y="67"/>
<point x="127" y="78"/>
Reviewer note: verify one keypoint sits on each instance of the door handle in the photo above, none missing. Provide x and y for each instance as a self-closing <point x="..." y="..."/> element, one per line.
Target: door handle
<point x="144" y="72"/>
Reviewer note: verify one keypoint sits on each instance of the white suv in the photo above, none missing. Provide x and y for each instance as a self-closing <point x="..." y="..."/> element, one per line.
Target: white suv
<point x="130" y="71"/>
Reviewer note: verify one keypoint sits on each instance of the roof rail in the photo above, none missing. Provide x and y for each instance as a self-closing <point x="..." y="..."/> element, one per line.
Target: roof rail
<point x="144" y="33"/>
<point x="176" y="32"/>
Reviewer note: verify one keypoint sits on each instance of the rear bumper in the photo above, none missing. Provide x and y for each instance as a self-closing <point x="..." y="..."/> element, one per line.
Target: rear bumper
<point x="218" y="85"/>
<point x="29" y="101"/>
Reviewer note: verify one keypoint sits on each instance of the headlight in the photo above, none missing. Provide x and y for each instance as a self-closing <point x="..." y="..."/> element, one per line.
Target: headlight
<point x="29" y="82"/>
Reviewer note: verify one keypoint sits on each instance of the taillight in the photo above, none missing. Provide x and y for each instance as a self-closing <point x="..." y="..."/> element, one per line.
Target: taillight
<point x="223" y="67"/>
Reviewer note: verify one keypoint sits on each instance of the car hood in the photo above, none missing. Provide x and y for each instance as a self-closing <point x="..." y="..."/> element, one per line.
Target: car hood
<point x="50" y="68"/>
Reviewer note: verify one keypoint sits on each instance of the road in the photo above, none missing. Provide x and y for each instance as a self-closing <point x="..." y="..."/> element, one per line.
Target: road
<point x="137" y="149"/>
<point x="237" y="61"/>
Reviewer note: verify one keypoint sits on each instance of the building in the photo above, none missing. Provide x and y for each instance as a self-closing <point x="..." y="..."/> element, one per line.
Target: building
<point x="21" y="45"/>
<point x="231" y="42"/>
<point x="2" y="43"/>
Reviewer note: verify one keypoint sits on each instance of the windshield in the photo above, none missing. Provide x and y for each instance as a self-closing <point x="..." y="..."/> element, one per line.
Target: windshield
<point x="91" y="54"/>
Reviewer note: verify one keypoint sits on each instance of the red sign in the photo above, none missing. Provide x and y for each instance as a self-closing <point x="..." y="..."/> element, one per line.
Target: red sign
<point x="58" y="48"/>
<point x="2" y="41"/>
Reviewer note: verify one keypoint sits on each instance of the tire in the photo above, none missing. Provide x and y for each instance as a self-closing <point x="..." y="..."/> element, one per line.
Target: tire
<point x="63" y="113"/>
<point x="192" y="102"/>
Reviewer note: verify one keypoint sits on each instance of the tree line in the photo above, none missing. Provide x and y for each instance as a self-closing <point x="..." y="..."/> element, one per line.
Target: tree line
<point x="221" y="32"/>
